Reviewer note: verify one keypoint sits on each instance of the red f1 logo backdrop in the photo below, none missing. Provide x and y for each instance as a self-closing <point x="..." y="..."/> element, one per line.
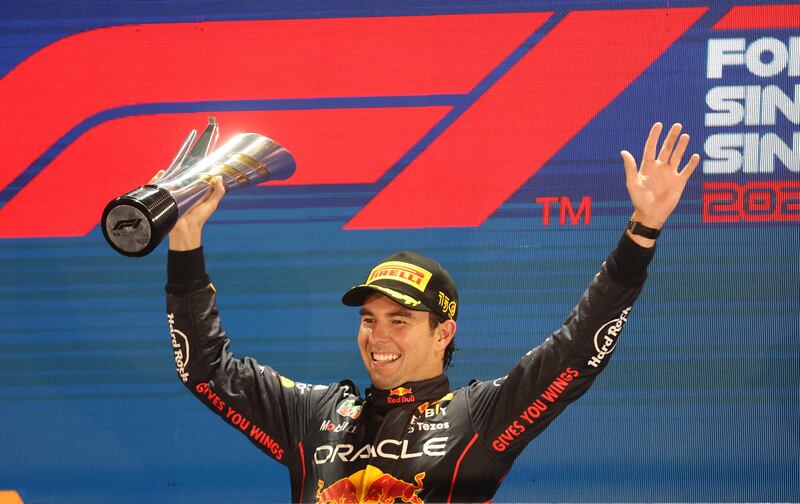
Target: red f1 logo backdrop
<point x="477" y="103"/>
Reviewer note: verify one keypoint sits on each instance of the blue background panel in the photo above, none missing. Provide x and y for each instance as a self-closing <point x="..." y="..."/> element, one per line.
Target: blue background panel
<point x="699" y="404"/>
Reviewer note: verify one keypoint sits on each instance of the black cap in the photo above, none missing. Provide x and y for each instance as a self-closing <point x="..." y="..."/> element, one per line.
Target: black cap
<point x="412" y="280"/>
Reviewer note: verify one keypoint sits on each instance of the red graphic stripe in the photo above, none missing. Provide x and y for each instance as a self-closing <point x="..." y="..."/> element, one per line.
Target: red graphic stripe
<point x="330" y="147"/>
<point x="244" y="60"/>
<point x="458" y="466"/>
<point x="748" y="17"/>
<point x="303" y="464"/>
<point x="585" y="62"/>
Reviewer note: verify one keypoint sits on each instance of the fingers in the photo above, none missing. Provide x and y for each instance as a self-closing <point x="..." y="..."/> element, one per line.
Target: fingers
<point x="649" y="152"/>
<point x="631" y="171"/>
<point x="690" y="166"/>
<point x="680" y="149"/>
<point x="219" y="188"/>
<point x="217" y="192"/>
<point x="669" y="143"/>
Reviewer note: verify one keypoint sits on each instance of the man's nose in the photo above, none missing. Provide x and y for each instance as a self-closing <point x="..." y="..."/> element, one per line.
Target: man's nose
<point x="379" y="332"/>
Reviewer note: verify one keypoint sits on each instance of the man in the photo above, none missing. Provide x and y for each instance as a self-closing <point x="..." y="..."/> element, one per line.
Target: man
<point x="412" y="439"/>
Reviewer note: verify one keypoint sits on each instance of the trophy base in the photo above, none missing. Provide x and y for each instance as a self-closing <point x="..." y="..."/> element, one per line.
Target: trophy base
<point x="135" y="223"/>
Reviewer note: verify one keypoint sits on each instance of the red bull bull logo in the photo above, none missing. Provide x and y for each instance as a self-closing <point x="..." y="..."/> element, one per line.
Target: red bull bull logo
<point x="401" y="391"/>
<point x="341" y="492"/>
<point x="400" y="395"/>
<point x="373" y="486"/>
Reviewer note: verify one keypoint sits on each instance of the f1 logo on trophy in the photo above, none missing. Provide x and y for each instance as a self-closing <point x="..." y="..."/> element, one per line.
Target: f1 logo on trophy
<point x="136" y="222"/>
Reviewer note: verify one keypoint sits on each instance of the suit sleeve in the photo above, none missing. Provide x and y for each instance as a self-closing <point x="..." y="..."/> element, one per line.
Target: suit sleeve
<point x="269" y="409"/>
<point x="510" y="411"/>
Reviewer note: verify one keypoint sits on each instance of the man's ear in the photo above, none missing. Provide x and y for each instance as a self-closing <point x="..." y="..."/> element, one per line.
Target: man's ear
<point x="444" y="333"/>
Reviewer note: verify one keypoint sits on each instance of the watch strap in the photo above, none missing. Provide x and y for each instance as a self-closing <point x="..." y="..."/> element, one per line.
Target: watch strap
<point x="640" y="229"/>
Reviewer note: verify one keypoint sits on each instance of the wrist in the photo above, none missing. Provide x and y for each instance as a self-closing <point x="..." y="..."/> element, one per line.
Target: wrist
<point x="647" y="220"/>
<point x="643" y="231"/>
<point x="185" y="235"/>
<point x="182" y="239"/>
<point x="184" y="244"/>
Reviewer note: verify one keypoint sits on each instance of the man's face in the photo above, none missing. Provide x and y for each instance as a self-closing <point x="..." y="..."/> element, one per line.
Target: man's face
<point x="397" y="344"/>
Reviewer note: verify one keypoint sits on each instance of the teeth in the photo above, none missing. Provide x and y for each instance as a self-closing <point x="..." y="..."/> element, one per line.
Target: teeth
<point x="385" y="357"/>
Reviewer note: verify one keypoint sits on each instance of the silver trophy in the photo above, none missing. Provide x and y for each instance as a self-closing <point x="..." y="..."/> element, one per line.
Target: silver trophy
<point x="136" y="222"/>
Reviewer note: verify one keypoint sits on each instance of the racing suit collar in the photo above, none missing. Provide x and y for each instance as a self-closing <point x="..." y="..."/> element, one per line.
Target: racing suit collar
<point x="410" y="393"/>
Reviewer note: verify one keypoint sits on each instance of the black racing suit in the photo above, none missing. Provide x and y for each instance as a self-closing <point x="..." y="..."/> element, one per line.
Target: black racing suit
<point x="420" y="442"/>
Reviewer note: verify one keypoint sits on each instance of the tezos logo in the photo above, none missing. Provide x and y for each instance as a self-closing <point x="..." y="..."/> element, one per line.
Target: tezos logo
<point x="180" y="349"/>
<point x="605" y="339"/>
<point x="418" y="424"/>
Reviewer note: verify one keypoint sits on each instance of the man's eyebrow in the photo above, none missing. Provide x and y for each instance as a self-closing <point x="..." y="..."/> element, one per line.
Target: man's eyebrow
<point x="395" y="313"/>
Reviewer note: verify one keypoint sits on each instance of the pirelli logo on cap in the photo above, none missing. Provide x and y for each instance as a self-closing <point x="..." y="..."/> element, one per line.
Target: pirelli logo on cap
<point x="402" y="272"/>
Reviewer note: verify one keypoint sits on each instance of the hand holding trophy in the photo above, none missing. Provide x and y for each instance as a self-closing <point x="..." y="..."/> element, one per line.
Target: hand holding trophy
<point x="136" y="222"/>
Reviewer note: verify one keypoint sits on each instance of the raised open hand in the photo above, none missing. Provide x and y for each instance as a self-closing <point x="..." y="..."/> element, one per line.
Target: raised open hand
<point x="656" y="186"/>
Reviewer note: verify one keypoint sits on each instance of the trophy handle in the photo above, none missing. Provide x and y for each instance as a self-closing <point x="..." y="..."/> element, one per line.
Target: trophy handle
<point x="186" y="157"/>
<point x="206" y="142"/>
<point x="180" y="156"/>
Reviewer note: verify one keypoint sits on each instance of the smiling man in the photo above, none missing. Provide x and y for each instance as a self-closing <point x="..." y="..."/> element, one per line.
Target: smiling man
<point x="411" y="438"/>
<point x="407" y="319"/>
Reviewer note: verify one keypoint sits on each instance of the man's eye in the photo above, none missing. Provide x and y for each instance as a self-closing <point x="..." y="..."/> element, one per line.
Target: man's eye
<point x="398" y="321"/>
<point x="367" y="321"/>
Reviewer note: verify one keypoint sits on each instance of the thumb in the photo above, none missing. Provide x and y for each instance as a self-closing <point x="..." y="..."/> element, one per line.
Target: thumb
<point x="203" y="209"/>
<point x="219" y="188"/>
<point x="631" y="171"/>
<point x="217" y="192"/>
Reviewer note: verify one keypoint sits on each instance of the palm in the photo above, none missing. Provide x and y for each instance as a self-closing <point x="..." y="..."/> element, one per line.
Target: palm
<point x="655" y="187"/>
<point x="197" y="216"/>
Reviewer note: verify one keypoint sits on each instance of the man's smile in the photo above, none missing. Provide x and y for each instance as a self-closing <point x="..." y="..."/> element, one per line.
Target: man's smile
<point x="381" y="357"/>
